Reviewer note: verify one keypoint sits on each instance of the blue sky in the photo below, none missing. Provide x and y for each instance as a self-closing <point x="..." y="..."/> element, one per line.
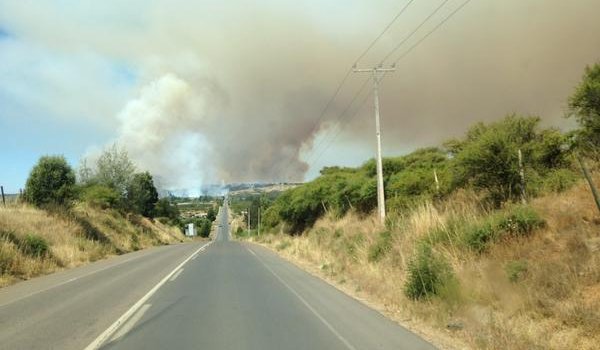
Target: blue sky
<point x="204" y="91"/>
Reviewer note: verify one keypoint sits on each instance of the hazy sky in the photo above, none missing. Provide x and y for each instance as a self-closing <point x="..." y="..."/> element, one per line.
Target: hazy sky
<point x="200" y="91"/>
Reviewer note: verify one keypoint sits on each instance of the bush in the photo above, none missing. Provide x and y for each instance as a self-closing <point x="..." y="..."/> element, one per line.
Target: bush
<point x="515" y="270"/>
<point x="478" y="236"/>
<point x="51" y="182"/>
<point x="142" y="195"/>
<point x="100" y="196"/>
<point x="34" y="245"/>
<point x="519" y="220"/>
<point x="428" y="274"/>
<point x="383" y="245"/>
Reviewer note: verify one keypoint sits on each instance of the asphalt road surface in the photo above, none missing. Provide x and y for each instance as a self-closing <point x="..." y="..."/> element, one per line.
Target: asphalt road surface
<point x="223" y="295"/>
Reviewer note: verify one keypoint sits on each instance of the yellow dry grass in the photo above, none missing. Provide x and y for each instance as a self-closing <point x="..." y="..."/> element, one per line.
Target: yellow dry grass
<point x="555" y="303"/>
<point x="85" y="235"/>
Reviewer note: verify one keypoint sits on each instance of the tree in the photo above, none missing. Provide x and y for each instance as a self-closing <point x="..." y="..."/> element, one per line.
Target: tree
<point x="164" y="208"/>
<point x="51" y="182"/>
<point x="142" y="195"/>
<point x="114" y="169"/>
<point x="584" y="105"/>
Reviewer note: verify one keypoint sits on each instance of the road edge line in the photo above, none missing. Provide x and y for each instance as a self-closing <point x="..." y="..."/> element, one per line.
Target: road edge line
<point x="306" y="303"/>
<point x="124" y="317"/>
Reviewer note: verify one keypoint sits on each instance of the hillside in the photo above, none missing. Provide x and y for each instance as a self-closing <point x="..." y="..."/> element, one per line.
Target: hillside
<point x="35" y="242"/>
<point x="535" y="286"/>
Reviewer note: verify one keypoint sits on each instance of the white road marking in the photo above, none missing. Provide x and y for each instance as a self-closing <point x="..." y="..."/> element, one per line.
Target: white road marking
<point x="71" y="280"/>
<point x="131" y="322"/>
<point x="308" y="306"/>
<point x="121" y="320"/>
<point x="176" y="275"/>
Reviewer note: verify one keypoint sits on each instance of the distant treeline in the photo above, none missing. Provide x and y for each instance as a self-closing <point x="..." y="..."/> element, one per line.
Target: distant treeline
<point x="486" y="160"/>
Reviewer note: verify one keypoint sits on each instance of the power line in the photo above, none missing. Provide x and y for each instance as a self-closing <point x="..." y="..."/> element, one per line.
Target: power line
<point x="346" y="109"/>
<point x="414" y="31"/>
<point x="432" y="31"/>
<point x="410" y="49"/>
<point x="341" y="118"/>
<point x="383" y="32"/>
<point x="340" y="128"/>
<point x="361" y="56"/>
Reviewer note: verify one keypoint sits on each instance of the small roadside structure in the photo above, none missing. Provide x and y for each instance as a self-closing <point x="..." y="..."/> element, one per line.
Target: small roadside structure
<point x="190" y="230"/>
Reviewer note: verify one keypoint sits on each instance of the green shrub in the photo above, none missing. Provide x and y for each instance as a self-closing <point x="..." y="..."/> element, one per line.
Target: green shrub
<point x="515" y="270"/>
<point x="428" y="274"/>
<point x="34" y="245"/>
<point x="519" y="220"/>
<point x="478" y="236"/>
<point x="51" y="182"/>
<point x="559" y="180"/>
<point x="380" y="248"/>
<point x="100" y="196"/>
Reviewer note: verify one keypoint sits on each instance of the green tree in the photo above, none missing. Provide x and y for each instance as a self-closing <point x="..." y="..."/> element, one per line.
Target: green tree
<point x="584" y="105"/>
<point x="51" y="182"/>
<point x="142" y="195"/>
<point x="166" y="209"/>
<point x="114" y="169"/>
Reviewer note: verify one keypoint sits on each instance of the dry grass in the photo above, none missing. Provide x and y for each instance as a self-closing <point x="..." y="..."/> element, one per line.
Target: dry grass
<point x="87" y="234"/>
<point x="538" y="291"/>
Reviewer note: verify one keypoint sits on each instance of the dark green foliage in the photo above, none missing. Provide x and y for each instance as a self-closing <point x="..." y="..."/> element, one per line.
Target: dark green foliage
<point x="381" y="247"/>
<point x="50" y="183"/>
<point x="203" y="226"/>
<point x="100" y="196"/>
<point x="478" y="236"/>
<point x="142" y="195"/>
<point x="164" y="208"/>
<point x="487" y="158"/>
<point x="428" y="274"/>
<point x="35" y="246"/>
<point x="204" y="229"/>
<point x="584" y="105"/>
<point x="31" y="244"/>
<point x="211" y="214"/>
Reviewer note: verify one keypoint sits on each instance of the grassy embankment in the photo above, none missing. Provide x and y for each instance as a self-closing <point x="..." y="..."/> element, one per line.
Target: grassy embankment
<point x="35" y="242"/>
<point x="522" y="277"/>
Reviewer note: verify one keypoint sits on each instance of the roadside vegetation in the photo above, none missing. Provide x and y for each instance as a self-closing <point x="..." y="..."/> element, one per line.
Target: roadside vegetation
<point x="64" y="220"/>
<point x="493" y="238"/>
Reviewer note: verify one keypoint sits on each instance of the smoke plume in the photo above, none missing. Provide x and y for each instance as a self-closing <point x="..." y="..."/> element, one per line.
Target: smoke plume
<point x="233" y="91"/>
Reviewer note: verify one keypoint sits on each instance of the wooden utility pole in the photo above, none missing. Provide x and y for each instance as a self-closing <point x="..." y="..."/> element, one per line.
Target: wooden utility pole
<point x="377" y="76"/>
<point x="590" y="181"/>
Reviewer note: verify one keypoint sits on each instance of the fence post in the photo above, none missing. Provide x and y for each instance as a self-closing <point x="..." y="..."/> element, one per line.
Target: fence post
<point x="3" y="199"/>
<point x="522" y="175"/>
<point x="588" y="177"/>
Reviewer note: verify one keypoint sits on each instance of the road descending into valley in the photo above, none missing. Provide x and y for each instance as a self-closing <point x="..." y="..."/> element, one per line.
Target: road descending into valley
<point x="219" y="295"/>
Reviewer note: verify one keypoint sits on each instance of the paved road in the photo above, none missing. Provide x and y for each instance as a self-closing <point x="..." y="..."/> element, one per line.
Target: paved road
<point x="228" y="295"/>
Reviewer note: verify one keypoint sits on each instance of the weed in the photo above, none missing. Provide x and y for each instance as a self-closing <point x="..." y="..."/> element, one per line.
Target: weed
<point x="34" y="245"/>
<point x="283" y="245"/>
<point x="383" y="245"/>
<point x="515" y="270"/>
<point x="428" y="274"/>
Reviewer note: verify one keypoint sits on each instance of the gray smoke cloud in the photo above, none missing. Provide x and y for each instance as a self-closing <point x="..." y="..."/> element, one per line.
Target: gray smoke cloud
<point x="233" y="91"/>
